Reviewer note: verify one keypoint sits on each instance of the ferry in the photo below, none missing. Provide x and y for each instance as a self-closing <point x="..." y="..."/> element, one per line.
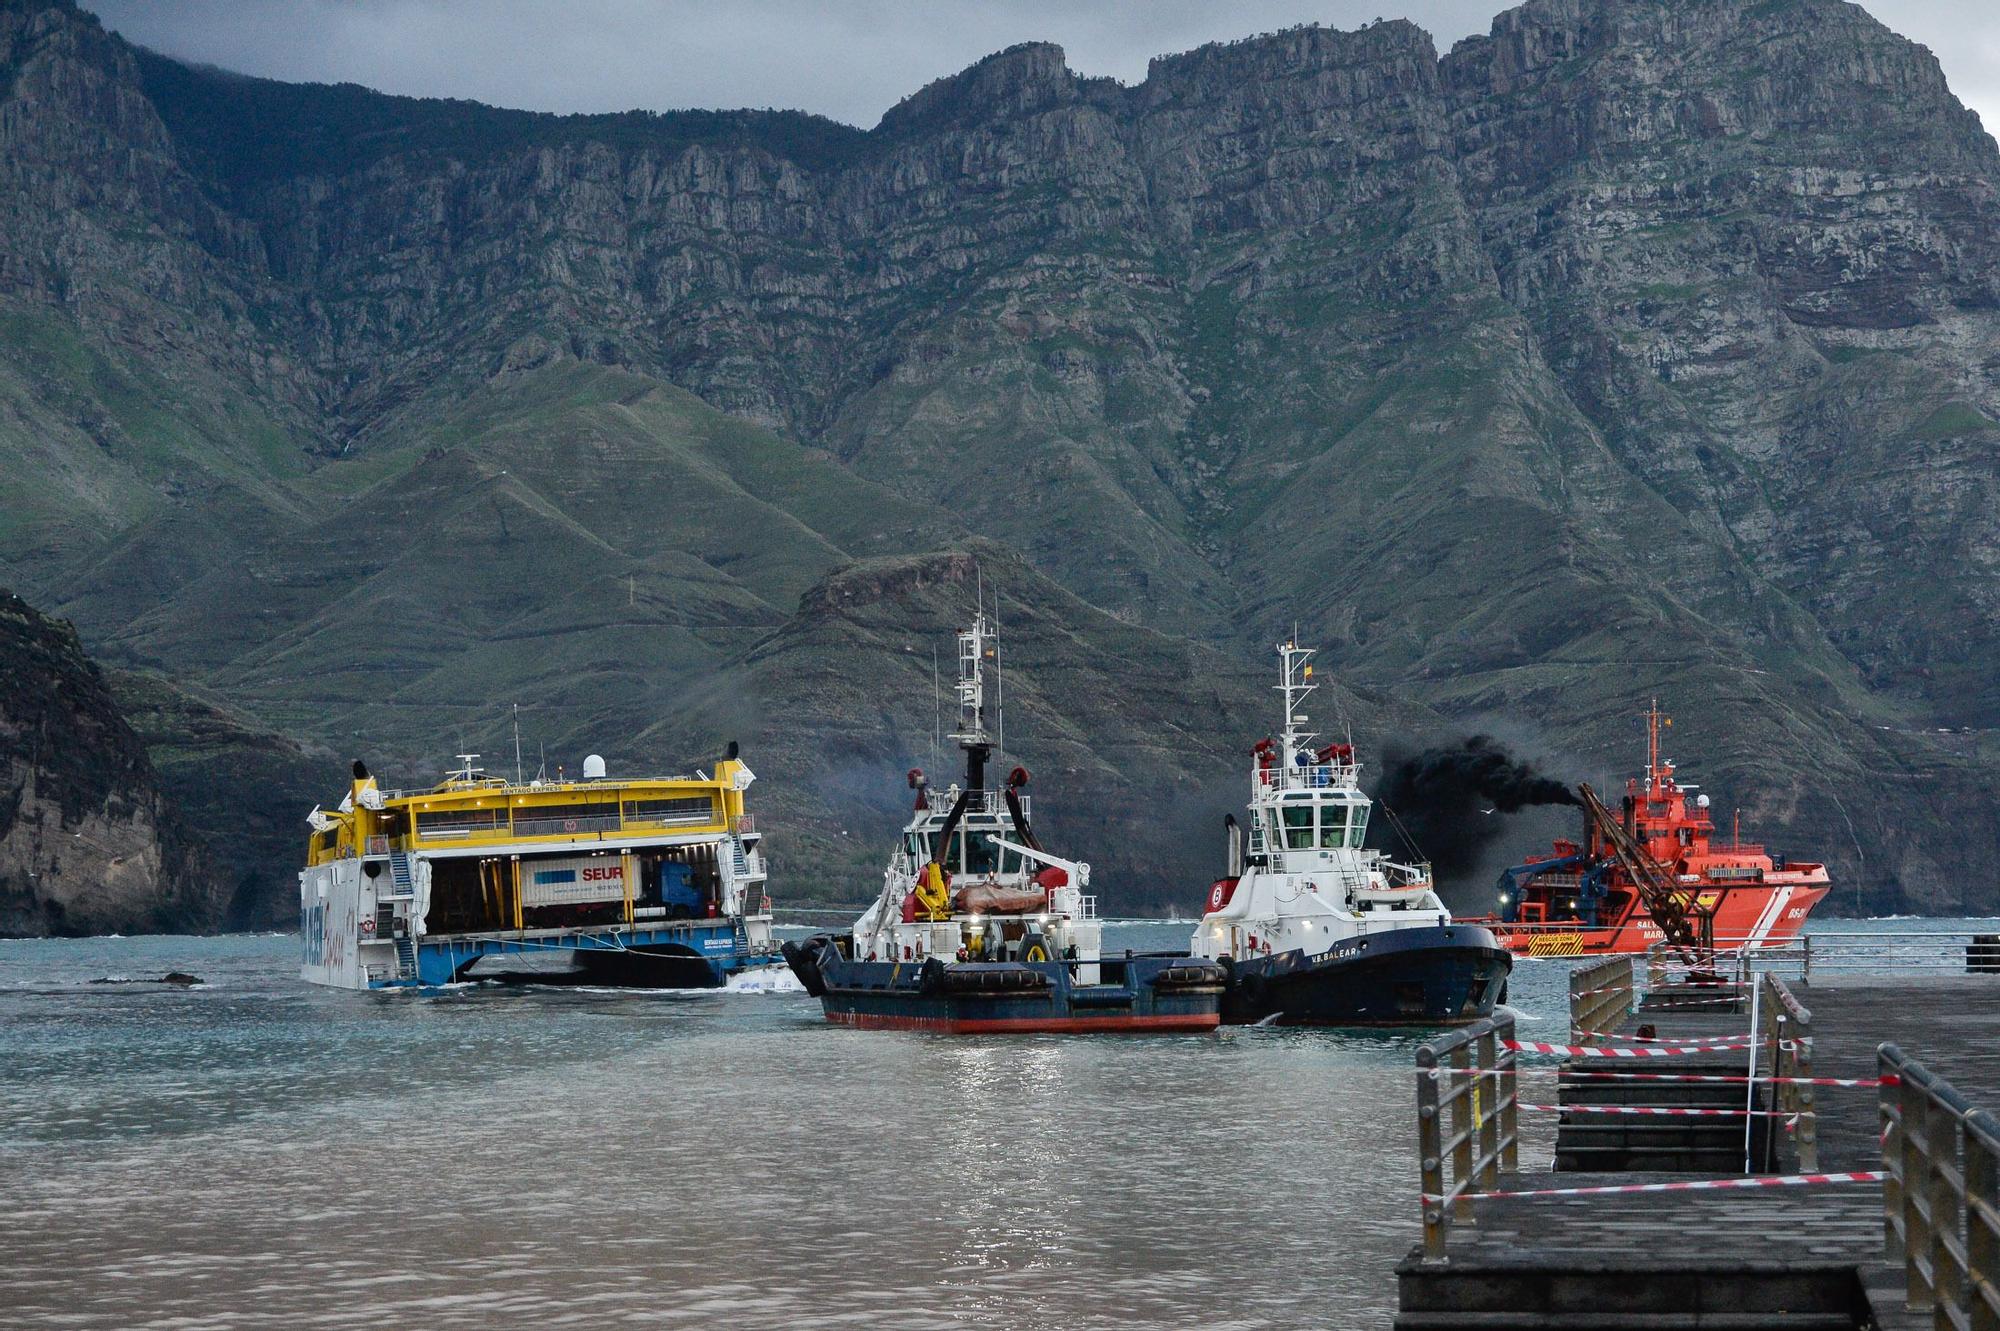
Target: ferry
<point x="1315" y="930"/>
<point x="981" y="930"/>
<point x="1653" y="868"/>
<point x="651" y="882"/>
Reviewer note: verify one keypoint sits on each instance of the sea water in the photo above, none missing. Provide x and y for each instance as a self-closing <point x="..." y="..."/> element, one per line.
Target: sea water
<point x="257" y="1152"/>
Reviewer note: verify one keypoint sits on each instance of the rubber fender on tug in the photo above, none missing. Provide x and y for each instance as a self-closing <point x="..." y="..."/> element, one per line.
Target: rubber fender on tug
<point x="989" y="977"/>
<point x="1249" y="984"/>
<point x="803" y="958"/>
<point x="1191" y="975"/>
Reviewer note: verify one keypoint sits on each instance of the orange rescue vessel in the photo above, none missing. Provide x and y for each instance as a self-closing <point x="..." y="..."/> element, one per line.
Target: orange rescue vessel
<point x="1655" y="863"/>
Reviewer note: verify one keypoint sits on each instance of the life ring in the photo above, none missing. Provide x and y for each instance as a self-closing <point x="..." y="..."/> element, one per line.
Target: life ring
<point x="368" y="926"/>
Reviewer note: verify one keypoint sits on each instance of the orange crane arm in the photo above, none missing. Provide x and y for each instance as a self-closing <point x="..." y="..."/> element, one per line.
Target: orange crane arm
<point x="1665" y="902"/>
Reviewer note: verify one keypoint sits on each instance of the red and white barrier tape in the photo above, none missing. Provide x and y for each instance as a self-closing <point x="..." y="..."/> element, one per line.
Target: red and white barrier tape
<point x="1581" y="1074"/>
<point x="1690" y="1185"/>
<point x="1611" y="1051"/>
<point x="1730" y="1080"/>
<point x="1692" y="1004"/>
<point x="1656" y="1111"/>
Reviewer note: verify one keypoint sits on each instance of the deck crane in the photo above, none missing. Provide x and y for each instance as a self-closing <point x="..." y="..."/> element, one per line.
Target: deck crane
<point x="1689" y="930"/>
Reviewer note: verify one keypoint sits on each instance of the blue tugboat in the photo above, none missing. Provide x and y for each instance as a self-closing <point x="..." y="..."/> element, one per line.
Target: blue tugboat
<point x="980" y="930"/>
<point x="1316" y="931"/>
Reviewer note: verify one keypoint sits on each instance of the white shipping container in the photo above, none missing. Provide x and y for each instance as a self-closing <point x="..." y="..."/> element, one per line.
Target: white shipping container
<point x="586" y="878"/>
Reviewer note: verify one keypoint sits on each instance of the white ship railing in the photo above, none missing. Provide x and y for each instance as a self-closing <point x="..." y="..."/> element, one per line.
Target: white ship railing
<point x="1317" y="776"/>
<point x="1406" y="876"/>
<point x="499" y="825"/>
<point x="989" y="802"/>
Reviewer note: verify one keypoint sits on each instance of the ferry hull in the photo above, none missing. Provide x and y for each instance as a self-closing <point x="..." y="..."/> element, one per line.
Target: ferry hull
<point x="1156" y="994"/>
<point x="1743" y="917"/>
<point x="1442" y="976"/>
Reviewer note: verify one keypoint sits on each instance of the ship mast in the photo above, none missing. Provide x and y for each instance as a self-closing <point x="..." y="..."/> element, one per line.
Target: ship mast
<point x="1297" y="684"/>
<point x="972" y="735"/>
<point x="1653" y="723"/>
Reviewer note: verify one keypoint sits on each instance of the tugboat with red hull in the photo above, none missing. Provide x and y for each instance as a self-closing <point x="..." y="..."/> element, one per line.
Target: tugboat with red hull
<point x="980" y="930"/>
<point x="1317" y="931"/>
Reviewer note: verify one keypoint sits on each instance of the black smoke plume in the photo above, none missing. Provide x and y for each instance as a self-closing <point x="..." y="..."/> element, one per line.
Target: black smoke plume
<point x="1448" y="799"/>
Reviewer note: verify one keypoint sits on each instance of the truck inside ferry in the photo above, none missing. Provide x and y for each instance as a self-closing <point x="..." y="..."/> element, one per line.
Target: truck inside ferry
<point x="480" y="894"/>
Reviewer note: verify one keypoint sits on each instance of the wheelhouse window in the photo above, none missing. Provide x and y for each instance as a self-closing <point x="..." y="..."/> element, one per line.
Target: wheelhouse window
<point x="1333" y="827"/>
<point x="981" y="855"/>
<point x="1298" y="819"/>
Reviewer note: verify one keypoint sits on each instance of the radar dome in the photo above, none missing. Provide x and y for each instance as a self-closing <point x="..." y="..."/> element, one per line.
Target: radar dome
<point x="593" y="767"/>
<point x="1701" y="801"/>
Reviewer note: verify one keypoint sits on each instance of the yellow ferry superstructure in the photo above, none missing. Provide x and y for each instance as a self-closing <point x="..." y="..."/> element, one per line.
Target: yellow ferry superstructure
<point x="656" y="881"/>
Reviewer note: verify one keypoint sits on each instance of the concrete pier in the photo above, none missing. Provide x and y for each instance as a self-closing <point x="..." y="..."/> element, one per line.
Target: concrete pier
<point x="1780" y="1257"/>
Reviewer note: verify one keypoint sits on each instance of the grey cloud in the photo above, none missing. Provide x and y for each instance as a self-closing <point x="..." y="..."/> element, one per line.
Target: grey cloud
<point x="848" y="59"/>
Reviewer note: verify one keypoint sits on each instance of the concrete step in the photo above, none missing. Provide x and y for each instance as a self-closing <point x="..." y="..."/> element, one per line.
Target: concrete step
<point x="1611" y="1143"/>
<point x="1610" y="1292"/>
<point x="1609" y="1090"/>
<point x="1627" y="1322"/>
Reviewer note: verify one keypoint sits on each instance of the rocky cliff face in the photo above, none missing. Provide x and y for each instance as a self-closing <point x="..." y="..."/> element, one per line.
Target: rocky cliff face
<point x="1629" y="350"/>
<point x="87" y="842"/>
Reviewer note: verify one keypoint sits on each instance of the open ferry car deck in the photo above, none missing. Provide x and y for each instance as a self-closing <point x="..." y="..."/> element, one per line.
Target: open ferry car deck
<point x="655" y="881"/>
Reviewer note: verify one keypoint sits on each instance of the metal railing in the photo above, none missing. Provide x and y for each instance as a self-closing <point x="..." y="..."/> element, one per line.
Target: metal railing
<point x="1941" y="1196"/>
<point x="557" y="825"/>
<point x="993" y="802"/>
<point x="1311" y="776"/>
<point x="1468" y="1126"/>
<point x="1885" y="951"/>
<point x="1601" y="995"/>
<point x="1785" y="1028"/>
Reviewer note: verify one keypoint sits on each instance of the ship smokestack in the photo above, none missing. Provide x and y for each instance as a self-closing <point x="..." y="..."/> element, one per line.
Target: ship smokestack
<point x="1233" y="837"/>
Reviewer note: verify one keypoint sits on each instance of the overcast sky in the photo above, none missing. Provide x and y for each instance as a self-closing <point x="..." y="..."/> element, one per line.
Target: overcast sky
<point x="849" y="59"/>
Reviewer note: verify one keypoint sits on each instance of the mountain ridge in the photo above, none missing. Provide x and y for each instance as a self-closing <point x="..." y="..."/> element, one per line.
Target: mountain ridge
<point x="1620" y="351"/>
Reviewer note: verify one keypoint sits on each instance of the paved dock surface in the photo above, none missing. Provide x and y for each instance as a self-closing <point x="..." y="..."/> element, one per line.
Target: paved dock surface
<point x="1750" y="1258"/>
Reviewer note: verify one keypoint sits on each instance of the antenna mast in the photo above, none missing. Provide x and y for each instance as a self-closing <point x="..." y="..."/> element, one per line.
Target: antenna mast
<point x="999" y="677"/>
<point x="1297" y="684"/>
<point x="972" y="735"/>
<point x="517" y="744"/>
